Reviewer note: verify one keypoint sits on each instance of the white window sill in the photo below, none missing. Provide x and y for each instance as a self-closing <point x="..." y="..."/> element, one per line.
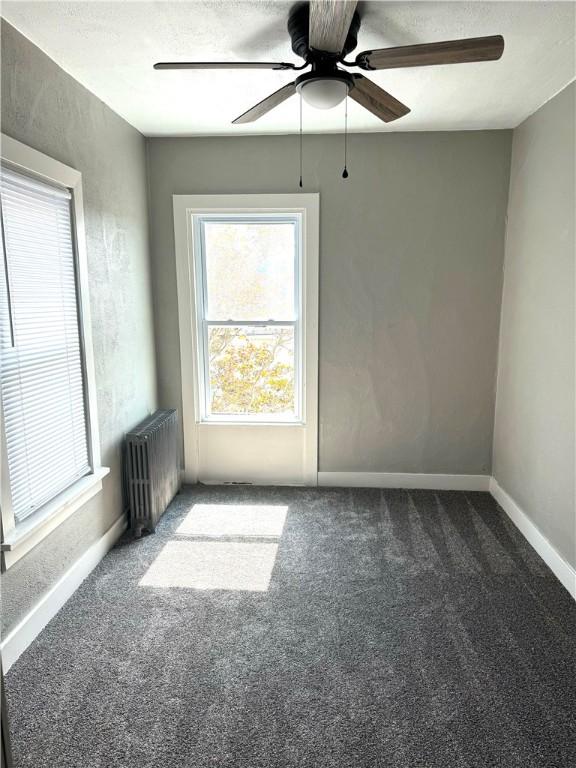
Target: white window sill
<point x="30" y="532"/>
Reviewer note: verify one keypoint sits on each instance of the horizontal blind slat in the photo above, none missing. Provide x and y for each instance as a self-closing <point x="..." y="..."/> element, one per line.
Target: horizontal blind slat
<point x="16" y="182"/>
<point x="24" y="508"/>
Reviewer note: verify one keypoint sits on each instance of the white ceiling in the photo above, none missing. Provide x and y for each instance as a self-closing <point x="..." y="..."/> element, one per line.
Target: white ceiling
<point x="110" y="48"/>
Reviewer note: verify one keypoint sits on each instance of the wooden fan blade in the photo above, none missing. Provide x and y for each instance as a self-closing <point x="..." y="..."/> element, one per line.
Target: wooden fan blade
<point x="225" y="65"/>
<point x="430" y="54"/>
<point x="267" y="104"/>
<point x="376" y="100"/>
<point x="329" y="24"/>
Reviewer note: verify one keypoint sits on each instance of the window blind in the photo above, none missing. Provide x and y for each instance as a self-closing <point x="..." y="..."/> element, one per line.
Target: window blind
<point x="41" y="367"/>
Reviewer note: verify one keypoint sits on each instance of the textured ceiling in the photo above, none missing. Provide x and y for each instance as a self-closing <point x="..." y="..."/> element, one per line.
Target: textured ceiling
<point x="110" y="48"/>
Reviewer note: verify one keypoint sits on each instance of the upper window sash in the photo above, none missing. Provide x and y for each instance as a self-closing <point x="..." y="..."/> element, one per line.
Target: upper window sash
<point x="199" y="224"/>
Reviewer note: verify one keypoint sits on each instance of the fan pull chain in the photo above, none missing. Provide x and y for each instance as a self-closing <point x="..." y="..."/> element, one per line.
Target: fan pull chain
<point x="300" y="183"/>
<point x="345" y="171"/>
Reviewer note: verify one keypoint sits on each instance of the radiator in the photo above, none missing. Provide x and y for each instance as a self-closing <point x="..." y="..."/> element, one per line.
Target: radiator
<point x="152" y="461"/>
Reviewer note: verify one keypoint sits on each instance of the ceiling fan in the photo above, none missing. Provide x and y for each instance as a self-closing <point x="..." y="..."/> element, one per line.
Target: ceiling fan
<point x="323" y="33"/>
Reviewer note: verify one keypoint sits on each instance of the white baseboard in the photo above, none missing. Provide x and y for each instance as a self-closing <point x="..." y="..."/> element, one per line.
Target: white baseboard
<point x="563" y="571"/>
<point x="19" y="638"/>
<point x="404" y="480"/>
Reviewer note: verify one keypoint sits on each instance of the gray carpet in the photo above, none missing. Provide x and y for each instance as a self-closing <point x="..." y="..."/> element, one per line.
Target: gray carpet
<point x="386" y="629"/>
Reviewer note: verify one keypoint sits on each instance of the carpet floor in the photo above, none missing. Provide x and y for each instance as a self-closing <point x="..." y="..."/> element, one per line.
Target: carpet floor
<point x="309" y="628"/>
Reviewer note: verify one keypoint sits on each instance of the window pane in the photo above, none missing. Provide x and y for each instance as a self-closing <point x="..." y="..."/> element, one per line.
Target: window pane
<point x="251" y="370"/>
<point x="249" y="270"/>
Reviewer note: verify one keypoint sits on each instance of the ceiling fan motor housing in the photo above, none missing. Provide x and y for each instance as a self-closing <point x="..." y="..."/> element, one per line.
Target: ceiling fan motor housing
<point x="298" y="24"/>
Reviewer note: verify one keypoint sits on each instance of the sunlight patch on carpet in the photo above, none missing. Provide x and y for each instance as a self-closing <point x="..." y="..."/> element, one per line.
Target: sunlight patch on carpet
<point x="234" y="520"/>
<point x="231" y="565"/>
<point x="221" y="546"/>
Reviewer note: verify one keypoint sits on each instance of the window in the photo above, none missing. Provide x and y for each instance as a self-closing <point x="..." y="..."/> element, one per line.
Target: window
<point x="248" y="305"/>
<point x="48" y="446"/>
<point x="247" y="271"/>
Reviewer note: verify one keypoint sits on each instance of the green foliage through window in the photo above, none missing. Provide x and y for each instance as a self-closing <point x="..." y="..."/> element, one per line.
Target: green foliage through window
<point x="251" y="370"/>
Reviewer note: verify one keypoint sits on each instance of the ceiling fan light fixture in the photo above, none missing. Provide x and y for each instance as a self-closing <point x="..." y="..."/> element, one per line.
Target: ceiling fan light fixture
<point x="323" y="92"/>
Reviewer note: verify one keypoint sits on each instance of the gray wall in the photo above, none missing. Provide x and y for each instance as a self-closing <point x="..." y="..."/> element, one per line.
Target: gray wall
<point x="411" y="254"/>
<point x="45" y="108"/>
<point x="534" y="432"/>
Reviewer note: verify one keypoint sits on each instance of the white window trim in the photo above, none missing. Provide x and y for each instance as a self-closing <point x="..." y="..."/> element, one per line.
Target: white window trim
<point x="17" y="541"/>
<point x="185" y="208"/>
